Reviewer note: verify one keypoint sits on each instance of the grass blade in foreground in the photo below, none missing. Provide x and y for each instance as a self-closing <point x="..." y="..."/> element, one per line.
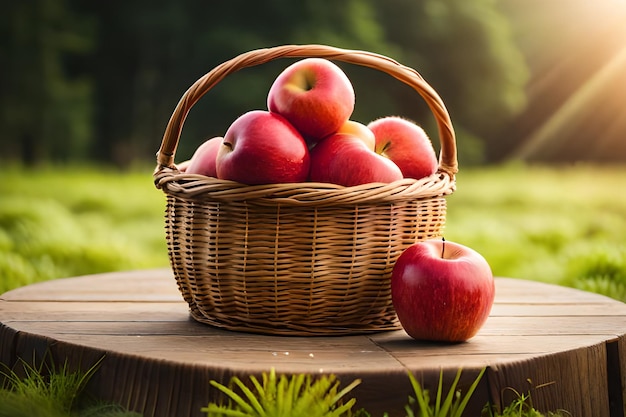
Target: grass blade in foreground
<point x="453" y="405"/>
<point x="298" y="396"/>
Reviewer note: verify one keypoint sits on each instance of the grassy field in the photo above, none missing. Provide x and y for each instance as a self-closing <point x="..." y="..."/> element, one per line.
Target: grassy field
<point x="61" y="222"/>
<point x="563" y="225"/>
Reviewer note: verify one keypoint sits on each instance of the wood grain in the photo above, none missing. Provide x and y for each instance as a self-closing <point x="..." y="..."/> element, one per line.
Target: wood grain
<point x="566" y="347"/>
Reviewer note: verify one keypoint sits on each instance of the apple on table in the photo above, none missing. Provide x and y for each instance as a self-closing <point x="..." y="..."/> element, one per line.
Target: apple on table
<point x="442" y="291"/>
<point x="261" y="147"/>
<point x="314" y="95"/>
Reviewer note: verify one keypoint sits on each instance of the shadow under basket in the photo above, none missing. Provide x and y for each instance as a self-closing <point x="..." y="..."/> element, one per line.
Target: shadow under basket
<point x="297" y="259"/>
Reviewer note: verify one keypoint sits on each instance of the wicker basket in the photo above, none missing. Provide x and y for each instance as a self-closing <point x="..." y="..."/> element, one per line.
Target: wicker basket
<point x="297" y="259"/>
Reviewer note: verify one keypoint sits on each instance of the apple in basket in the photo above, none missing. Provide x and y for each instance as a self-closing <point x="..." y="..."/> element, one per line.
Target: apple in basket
<point x="352" y="127"/>
<point x="346" y="159"/>
<point x="314" y="95"/>
<point x="203" y="160"/>
<point x="442" y="291"/>
<point x="406" y="144"/>
<point x="182" y="166"/>
<point x="261" y="147"/>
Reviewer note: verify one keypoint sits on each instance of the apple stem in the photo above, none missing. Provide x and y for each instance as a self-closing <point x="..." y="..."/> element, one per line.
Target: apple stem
<point x="385" y="147"/>
<point x="443" y="246"/>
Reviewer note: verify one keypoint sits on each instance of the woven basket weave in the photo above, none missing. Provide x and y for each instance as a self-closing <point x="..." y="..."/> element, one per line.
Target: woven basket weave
<point x="297" y="259"/>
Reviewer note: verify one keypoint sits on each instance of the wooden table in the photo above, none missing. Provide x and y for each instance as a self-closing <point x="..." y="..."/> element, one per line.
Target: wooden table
<point x="566" y="347"/>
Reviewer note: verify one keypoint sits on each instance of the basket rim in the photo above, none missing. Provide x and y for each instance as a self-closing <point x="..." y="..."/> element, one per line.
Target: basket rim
<point x="199" y="187"/>
<point x="448" y="153"/>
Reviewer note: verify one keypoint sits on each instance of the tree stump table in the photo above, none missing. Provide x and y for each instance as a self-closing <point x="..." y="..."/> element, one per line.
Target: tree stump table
<point x="565" y="347"/>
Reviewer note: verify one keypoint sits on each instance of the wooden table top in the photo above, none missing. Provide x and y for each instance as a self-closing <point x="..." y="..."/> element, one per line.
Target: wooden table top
<point x="564" y="346"/>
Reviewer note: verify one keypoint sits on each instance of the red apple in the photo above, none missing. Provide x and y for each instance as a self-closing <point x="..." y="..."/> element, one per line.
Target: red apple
<point x="355" y="128"/>
<point x="261" y="147"/>
<point x="182" y="166"/>
<point x="406" y="144"/>
<point x="442" y="291"/>
<point x="203" y="161"/>
<point x="315" y="95"/>
<point x="346" y="160"/>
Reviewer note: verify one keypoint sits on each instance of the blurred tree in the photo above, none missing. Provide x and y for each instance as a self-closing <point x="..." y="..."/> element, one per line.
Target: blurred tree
<point x="45" y="109"/>
<point x="108" y="77"/>
<point x="149" y="52"/>
<point x="467" y="52"/>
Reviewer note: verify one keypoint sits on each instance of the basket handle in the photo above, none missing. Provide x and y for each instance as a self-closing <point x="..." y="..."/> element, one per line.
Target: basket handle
<point x="447" y="157"/>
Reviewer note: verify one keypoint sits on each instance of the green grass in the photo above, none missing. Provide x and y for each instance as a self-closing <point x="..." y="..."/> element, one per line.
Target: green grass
<point x="451" y="404"/>
<point x="298" y="395"/>
<point x="61" y="222"/>
<point x="522" y="406"/>
<point x="562" y="225"/>
<point x="59" y="392"/>
<point x="51" y="392"/>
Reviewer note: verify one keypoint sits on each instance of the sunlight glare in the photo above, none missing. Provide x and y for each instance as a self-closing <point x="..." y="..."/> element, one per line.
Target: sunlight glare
<point x="619" y="4"/>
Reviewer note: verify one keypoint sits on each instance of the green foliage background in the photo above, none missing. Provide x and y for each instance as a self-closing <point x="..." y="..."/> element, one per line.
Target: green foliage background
<point x="558" y="225"/>
<point x="57" y="222"/>
<point x="99" y="80"/>
<point x="95" y="82"/>
<point x="87" y="86"/>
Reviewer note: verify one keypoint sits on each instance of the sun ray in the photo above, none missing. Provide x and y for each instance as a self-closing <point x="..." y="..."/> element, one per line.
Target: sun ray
<point x="574" y="108"/>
